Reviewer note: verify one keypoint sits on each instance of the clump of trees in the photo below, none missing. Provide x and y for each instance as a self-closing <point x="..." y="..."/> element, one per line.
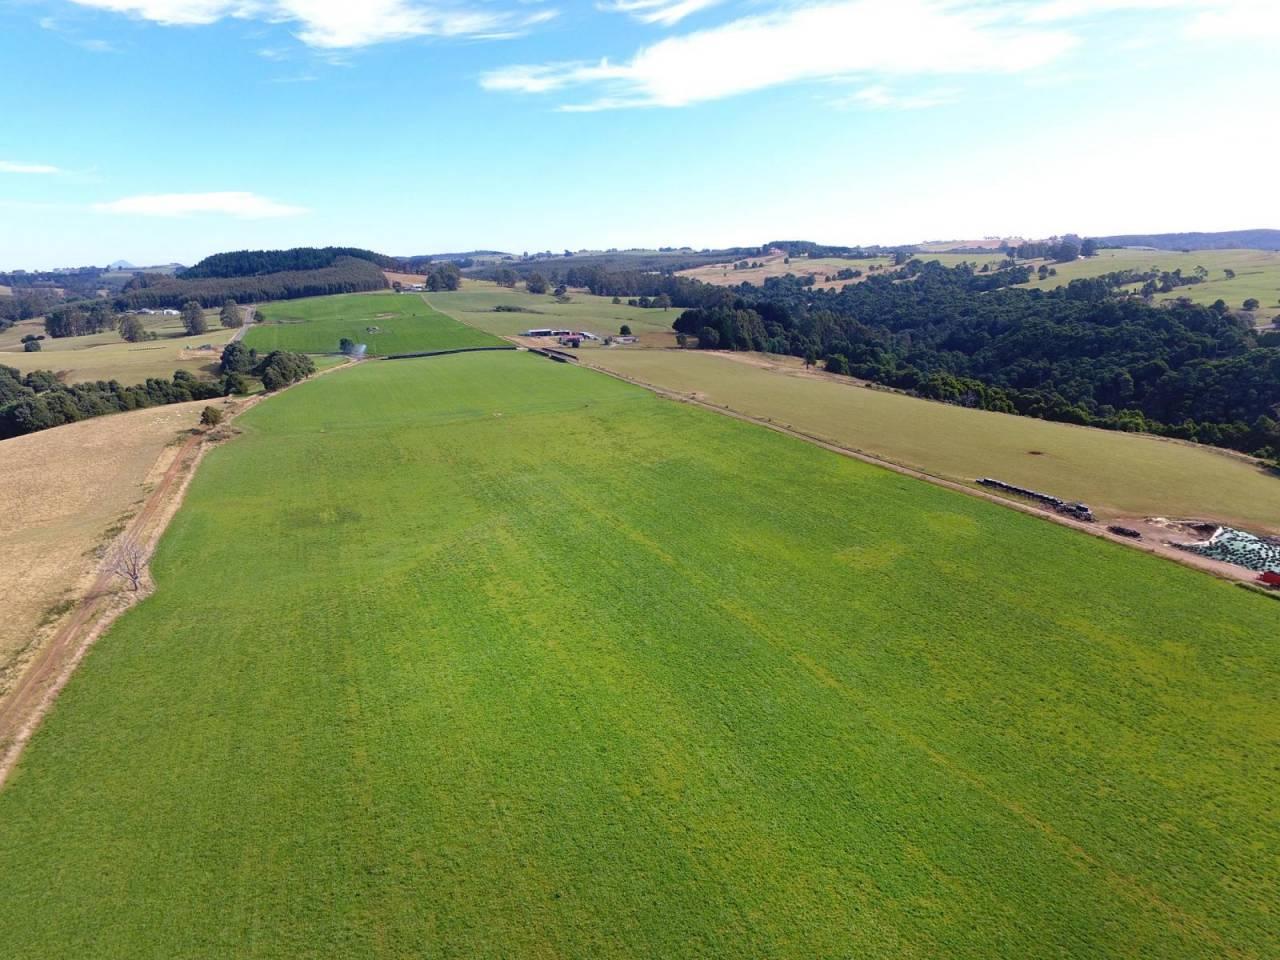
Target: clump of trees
<point x="535" y="283"/>
<point x="231" y="315"/>
<point x="237" y="358"/>
<point x="443" y="276"/>
<point x="1059" y="249"/>
<point x="280" y="368"/>
<point x="78" y="320"/>
<point x="193" y="320"/>
<point x="24" y="305"/>
<point x="132" y="330"/>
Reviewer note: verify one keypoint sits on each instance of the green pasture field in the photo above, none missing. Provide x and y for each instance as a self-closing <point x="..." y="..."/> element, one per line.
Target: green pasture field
<point x="105" y="356"/>
<point x="485" y="656"/>
<point x="404" y="324"/>
<point x="474" y="303"/>
<point x="1257" y="274"/>
<point x="1118" y="474"/>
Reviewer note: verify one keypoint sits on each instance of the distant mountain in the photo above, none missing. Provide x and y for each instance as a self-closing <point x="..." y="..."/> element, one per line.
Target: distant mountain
<point x="120" y="265"/>
<point x="1226" y="240"/>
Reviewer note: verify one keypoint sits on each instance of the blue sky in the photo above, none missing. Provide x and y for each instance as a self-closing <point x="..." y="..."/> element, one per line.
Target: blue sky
<point x="152" y="130"/>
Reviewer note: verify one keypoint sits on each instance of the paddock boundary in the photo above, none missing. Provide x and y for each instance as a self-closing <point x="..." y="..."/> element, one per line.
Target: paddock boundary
<point x="441" y="353"/>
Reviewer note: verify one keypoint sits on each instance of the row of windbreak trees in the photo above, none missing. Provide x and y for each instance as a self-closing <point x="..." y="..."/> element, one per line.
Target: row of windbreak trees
<point x="1084" y="354"/>
<point x="344" y="275"/>
<point x="38" y="400"/>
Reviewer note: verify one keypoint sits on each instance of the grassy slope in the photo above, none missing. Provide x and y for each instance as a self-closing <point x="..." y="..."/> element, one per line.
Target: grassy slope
<point x="1116" y="472"/>
<point x="1257" y="271"/>
<point x="474" y="304"/>
<point x="1257" y="274"/>
<point x="405" y="324"/>
<point x="487" y="656"/>
<point x="104" y="356"/>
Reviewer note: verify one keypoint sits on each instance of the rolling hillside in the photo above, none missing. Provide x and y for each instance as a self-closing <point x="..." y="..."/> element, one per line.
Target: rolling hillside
<point x="485" y="656"/>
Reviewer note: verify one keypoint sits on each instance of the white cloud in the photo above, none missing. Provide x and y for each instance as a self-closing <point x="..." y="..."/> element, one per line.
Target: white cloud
<point x="1209" y="19"/>
<point x="824" y="41"/>
<point x="246" y="206"/>
<point x="665" y="12"/>
<point x="335" y="24"/>
<point x="12" y="166"/>
<point x="880" y="97"/>
<point x="1257" y="20"/>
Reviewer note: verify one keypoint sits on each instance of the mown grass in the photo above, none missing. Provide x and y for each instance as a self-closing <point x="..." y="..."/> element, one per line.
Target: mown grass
<point x="386" y="322"/>
<point x="484" y="656"/>
<point x="1118" y="474"/>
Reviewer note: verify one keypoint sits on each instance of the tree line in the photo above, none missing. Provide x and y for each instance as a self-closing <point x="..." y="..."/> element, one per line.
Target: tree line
<point x="38" y="400"/>
<point x="1079" y="354"/>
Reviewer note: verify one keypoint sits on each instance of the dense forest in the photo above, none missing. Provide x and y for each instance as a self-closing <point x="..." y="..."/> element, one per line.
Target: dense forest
<point x="1081" y="354"/>
<point x="254" y="263"/>
<point x="345" y="275"/>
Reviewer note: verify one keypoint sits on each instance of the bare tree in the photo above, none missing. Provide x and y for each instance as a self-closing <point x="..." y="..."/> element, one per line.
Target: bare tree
<point x="128" y="561"/>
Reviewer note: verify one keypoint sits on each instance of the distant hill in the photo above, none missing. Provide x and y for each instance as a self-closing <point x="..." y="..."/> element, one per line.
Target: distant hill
<point x="1226" y="240"/>
<point x="466" y="255"/>
<point x="343" y="275"/>
<point x="422" y="262"/>
<point x="120" y="265"/>
<point x="256" y="263"/>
